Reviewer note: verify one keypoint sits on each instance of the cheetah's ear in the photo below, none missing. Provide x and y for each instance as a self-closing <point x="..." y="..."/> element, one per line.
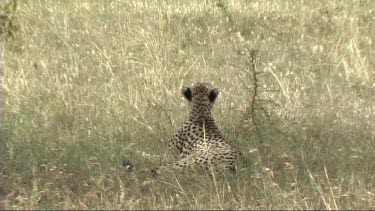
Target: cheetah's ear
<point x="213" y="95"/>
<point x="186" y="91"/>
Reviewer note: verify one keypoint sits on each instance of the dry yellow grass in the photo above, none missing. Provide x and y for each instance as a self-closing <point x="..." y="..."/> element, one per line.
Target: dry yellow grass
<point x="89" y="83"/>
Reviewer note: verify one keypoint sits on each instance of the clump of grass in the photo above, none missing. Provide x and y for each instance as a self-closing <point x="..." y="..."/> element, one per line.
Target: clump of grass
<point x="88" y="84"/>
<point x="8" y="19"/>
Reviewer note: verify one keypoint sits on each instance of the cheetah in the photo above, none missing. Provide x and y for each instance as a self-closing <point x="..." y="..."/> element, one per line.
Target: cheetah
<point x="198" y="142"/>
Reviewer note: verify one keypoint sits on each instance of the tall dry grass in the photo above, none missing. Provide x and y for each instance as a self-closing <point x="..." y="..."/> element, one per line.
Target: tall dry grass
<point x="91" y="83"/>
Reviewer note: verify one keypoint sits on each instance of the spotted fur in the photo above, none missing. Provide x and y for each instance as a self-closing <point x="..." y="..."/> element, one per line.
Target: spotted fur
<point x="198" y="142"/>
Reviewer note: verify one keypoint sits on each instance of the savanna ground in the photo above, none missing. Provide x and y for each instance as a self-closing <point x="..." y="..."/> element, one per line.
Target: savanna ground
<point x="88" y="84"/>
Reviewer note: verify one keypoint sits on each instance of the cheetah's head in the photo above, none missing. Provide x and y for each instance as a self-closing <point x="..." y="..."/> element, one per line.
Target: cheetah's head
<point x="202" y="96"/>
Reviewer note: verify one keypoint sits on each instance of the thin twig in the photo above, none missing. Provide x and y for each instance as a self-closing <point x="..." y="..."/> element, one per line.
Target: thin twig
<point x="255" y="92"/>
